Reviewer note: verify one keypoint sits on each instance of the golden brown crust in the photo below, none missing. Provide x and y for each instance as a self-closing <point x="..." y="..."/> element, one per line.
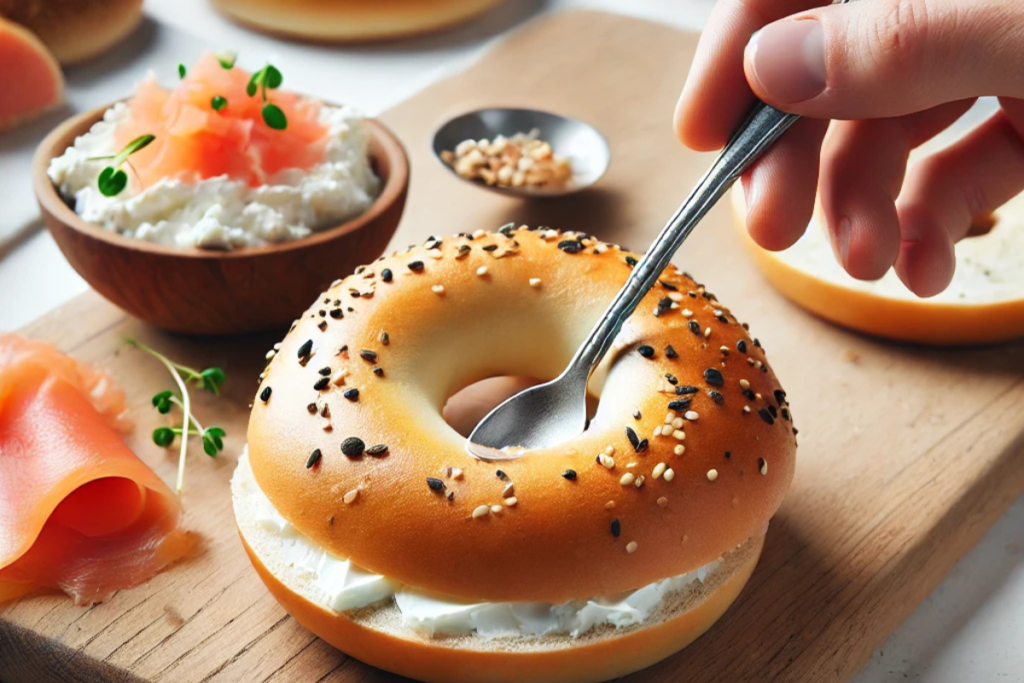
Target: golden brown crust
<point x="75" y="30"/>
<point x="556" y="543"/>
<point x="437" y="661"/>
<point x="352" y="20"/>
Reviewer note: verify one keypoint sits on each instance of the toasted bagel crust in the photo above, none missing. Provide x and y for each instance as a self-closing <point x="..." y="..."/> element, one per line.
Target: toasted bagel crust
<point x="75" y="30"/>
<point x="557" y="542"/>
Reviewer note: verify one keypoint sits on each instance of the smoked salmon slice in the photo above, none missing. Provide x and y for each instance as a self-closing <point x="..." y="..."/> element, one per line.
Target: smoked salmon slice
<point x="79" y="511"/>
<point x="195" y="141"/>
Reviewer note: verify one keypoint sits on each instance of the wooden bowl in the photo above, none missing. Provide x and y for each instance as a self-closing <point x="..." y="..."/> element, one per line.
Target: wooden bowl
<point x="199" y="291"/>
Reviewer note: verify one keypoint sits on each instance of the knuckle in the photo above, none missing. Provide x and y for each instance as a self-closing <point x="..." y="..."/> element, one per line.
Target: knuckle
<point x="897" y="36"/>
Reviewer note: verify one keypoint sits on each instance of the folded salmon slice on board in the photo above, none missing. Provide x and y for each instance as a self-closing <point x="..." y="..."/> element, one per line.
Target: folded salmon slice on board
<point x="79" y="511"/>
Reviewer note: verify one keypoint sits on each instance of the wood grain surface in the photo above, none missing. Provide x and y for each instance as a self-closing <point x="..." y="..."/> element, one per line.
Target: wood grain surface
<point x="907" y="454"/>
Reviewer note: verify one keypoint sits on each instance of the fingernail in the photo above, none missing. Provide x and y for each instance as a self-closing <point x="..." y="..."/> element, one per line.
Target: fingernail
<point x="788" y="59"/>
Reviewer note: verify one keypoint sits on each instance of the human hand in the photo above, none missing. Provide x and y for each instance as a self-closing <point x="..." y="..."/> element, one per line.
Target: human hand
<point x="893" y="73"/>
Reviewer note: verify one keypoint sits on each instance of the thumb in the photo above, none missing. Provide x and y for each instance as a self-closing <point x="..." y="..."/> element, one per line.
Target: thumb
<point x="881" y="58"/>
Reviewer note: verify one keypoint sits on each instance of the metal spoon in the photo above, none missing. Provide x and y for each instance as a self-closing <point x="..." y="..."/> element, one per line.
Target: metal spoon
<point x="556" y="411"/>
<point x="585" y="148"/>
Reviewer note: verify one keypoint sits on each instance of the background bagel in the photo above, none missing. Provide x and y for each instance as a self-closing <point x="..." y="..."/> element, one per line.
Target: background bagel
<point x="352" y="20"/>
<point x="410" y="330"/>
<point x="983" y="305"/>
<point x="75" y="30"/>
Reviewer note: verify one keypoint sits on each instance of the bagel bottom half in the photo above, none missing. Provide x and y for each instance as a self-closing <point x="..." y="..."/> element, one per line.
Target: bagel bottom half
<point x="375" y="636"/>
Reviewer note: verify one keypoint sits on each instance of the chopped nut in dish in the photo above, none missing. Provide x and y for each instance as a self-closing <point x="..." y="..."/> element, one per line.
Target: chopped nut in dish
<point x="523" y="160"/>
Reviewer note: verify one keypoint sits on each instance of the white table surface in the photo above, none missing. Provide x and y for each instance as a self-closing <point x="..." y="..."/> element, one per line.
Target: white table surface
<point x="970" y="629"/>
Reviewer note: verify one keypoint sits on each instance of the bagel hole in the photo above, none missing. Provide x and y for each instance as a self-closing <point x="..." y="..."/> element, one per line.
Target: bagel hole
<point x="982" y="225"/>
<point x="464" y="409"/>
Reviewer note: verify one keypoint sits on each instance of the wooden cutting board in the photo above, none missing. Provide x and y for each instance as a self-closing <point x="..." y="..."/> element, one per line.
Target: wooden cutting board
<point x="907" y="454"/>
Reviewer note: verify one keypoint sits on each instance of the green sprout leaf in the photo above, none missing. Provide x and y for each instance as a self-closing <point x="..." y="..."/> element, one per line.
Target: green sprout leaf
<point x="163" y="436"/>
<point x="163" y="401"/>
<point x="112" y="181"/>
<point x="274" y="117"/>
<point x="133" y="147"/>
<point x="227" y="60"/>
<point x="272" y="77"/>
<point x="218" y="102"/>
<point x="250" y="89"/>
<point x="211" y="379"/>
<point x="181" y="71"/>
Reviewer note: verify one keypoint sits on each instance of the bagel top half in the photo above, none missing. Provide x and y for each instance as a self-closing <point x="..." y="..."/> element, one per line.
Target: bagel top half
<point x="378" y="354"/>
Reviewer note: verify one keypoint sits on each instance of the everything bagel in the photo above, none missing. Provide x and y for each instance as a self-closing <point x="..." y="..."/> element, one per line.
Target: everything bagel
<point x="434" y="558"/>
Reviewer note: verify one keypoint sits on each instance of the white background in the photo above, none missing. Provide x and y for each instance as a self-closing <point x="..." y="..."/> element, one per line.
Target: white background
<point x="971" y="629"/>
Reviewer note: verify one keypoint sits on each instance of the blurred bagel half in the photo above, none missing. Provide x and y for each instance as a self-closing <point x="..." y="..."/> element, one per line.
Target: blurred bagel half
<point x="352" y="20"/>
<point x="984" y="304"/>
<point x="75" y="30"/>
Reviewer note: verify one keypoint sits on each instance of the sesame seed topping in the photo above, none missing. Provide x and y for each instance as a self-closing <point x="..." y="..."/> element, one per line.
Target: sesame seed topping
<point x="377" y="450"/>
<point x="630" y="261"/>
<point x="311" y="408"/>
<point x="606" y="461"/>
<point x="339" y="377"/>
<point x="322" y="383"/>
<point x="386" y="275"/>
<point x="707" y="332"/>
<point x="337" y="313"/>
<point x="571" y="246"/>
<point x="631" y="547"/>
<point x="508" y="491"/>
<point x="627" y="479"/>
<point x="569" y="474"/>
<point x="313" y="458"/>
<point x="384" y="338"/>
<point x="646" y="351"/>
<point x="633" y="439"/>
<point x="639" y="481"/>
<point x="659" y="470"/>
<point x="435" y="484"/>
<point x="669" y="416"/>
<point x="762" y="466"/>
<point x="663" y="502"/>
<point x="679" y="435"/>
<point x="670" y="352"/>
<point x="495" y="509"/>
<point x="686" y="389"/>
<point x="481" y="271"/>
<point x="669" y="475"/>
<point x="766" y="416"/>
<point x="636" y="413"/>
<point x="434" y="253"/>
<point x="490" y="247"/>
<point x="456" y="473"/>
<point x="511" y="501"/>
<point x="306" y="349"/>
<point x="679" y="404"/>
<point x="610" y="505"/>
<point x="265" y="394"/>
<point x="746" y="409"/>
<point x="501" y="475"/>
<point x="716" y="396"/>
<point x="744" y="384"/>
<point x="714" y="377"/>
<point x="368" y="356"/>
<point x="353" y="447"/>
<point x="437" y="289"/>
<point x="481" y="511"/>
<point x="677" y="423"/>
<point x="691" y="415"/>
<point x="712" y="475"/>
<point x="741" y="346"/>
<point x="416" y="266"/>
<point x="616" y="528"/>
<point x="694" y="327"/>
<point x="535" y="282"/>
<point x="351" y="496"/>
<point x="679" y="449"/>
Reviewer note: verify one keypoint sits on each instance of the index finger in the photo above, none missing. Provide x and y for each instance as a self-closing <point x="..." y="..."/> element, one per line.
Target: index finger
<point x="716" y="96"/>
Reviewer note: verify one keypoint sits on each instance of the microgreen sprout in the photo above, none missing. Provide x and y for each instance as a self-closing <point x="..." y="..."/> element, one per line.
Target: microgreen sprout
<point x="181" y="71"/>
<point x="209" y="379"/>
<point x="113" y="179"/>
<point x="227" y="59"/>
<point x="268" y="78"/>
<point x="218" y="102"/>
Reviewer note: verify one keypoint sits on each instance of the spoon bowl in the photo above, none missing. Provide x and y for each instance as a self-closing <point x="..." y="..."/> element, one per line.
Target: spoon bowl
<point x="582" y="144"/>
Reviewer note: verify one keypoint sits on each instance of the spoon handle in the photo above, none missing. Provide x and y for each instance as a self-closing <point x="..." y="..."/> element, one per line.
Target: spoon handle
<point x="762" y="127"/>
